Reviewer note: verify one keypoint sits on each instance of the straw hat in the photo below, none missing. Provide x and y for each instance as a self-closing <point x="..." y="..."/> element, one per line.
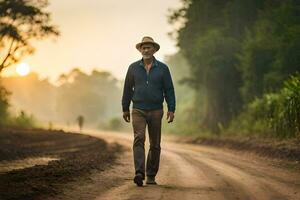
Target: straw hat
<point x="147" y="40"/>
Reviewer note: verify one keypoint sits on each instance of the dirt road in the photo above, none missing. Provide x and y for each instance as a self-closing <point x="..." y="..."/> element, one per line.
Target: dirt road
<point x="193" y="172"/>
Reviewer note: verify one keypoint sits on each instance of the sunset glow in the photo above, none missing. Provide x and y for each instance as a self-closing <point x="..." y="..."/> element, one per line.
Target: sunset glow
<point x="23" y="69"/>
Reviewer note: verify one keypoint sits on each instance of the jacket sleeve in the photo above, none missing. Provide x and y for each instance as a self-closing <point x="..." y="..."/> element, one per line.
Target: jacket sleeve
<point x="128" y="90"/>
<point x="169" y="91"/>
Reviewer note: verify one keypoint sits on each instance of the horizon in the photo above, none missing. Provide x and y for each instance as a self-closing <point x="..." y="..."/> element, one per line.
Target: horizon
<point x="52" y="82"/>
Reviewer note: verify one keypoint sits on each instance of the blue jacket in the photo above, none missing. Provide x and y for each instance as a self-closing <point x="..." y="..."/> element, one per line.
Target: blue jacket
<point x="148" y="91"/>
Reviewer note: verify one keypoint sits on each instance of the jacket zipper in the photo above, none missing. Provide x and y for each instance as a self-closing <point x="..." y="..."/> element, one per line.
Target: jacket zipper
<point x="147" y="72"/>
<point x="147" y="78"/>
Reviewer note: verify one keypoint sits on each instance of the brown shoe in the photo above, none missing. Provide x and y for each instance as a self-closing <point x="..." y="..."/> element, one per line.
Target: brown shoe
<point x="138" y="180"/>
<point x="151" y="180"/>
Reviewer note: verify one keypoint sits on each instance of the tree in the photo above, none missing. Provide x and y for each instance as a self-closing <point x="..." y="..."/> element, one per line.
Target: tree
<point x="212" y="57"/>
<point x="271" y="50"/>
<point x="22" y="21"/>
<point x="237" y="50"/>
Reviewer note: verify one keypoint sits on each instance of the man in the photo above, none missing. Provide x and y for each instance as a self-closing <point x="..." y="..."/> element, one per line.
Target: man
<point x="80" y="120"/>
<point x="148" y="82"/>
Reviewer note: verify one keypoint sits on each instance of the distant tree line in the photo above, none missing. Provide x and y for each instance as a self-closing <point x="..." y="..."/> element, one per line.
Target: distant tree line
<point x="238" y="52"/>
<point x="95" y="96"/>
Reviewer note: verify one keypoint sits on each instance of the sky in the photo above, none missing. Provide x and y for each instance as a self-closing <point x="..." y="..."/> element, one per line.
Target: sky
<point x="101" y="34"/>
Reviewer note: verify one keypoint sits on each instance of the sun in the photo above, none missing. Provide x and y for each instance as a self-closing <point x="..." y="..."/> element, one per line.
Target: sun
<point x="23" y="69"/>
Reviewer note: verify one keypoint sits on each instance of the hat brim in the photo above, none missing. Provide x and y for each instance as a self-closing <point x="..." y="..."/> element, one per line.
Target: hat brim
<point x="156" y="46"/>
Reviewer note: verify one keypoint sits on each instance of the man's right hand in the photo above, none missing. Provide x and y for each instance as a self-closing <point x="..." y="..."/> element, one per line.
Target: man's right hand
<point x="126" y="116"/>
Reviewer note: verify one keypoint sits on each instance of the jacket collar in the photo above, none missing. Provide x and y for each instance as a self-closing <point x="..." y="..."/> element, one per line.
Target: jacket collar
<point x="155" y="63"/>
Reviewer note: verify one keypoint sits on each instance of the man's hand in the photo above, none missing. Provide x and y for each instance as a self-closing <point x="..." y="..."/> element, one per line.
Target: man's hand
<point x="126" y="116"/>
<point x="170" y="117"/>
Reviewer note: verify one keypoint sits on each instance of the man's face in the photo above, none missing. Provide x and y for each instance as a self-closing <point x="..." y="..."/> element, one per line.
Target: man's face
<point x="147" y="50"/>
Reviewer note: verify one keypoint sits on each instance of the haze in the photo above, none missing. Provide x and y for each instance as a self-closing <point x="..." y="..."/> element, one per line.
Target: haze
<point x="101" y="34"/>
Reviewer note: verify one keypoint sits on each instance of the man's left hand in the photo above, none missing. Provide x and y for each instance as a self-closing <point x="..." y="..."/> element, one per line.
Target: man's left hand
<point x="170" y="117"/>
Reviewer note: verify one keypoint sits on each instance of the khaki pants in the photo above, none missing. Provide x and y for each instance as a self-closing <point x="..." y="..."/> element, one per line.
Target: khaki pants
<point x="141" y="119"/>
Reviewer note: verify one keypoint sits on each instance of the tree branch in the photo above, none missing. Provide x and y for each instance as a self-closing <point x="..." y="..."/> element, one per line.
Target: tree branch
<point x="2" y="65"/>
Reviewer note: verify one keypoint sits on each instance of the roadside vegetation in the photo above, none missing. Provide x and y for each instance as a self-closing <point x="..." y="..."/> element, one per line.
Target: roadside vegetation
<point x="242" y="68"/>
<point x="274" y="114"/>
<point x="21" y="120"/>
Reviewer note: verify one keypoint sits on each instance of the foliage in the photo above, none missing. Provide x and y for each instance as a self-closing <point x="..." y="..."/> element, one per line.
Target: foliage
<point x="93" y="96"/>
<point x="271" y="51"/>
<point x="22" y="21"/>
<point x="237" y="51"/>
<point x="211" y="55"/>
<point x="23" y="120"/>
<point x="287" y="120"/>
<point x="6" y="119"/>
<point x="275" y="114"/>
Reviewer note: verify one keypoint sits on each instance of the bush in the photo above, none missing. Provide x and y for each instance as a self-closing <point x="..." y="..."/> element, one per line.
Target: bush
<point x="275" y="114"/>
<point x="23" y="120"/>
<point x="287" y="121"/>
<point x="257" y="116"/>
